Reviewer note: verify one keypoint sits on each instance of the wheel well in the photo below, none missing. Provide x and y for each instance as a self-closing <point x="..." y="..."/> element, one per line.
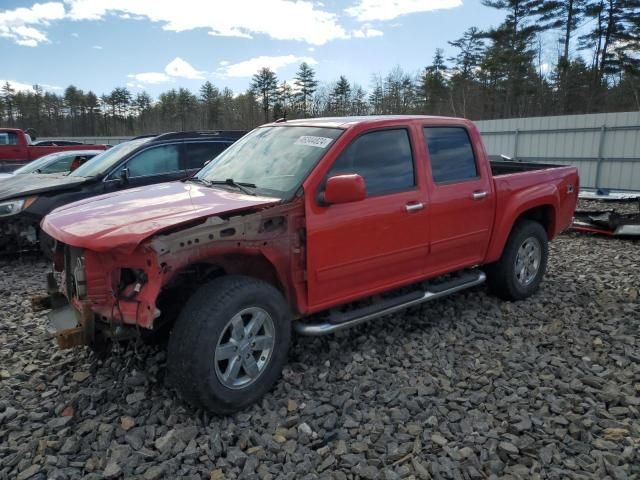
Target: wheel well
<point x="187" y="280"/>
<point x="544" y="215"/>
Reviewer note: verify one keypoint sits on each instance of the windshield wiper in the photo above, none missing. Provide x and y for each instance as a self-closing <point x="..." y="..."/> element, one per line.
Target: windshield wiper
<point x="198" y="180"/>
<point x="232" y="183"/>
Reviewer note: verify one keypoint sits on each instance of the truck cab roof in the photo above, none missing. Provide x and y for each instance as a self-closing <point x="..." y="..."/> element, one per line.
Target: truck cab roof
<point x="370" y="120"/>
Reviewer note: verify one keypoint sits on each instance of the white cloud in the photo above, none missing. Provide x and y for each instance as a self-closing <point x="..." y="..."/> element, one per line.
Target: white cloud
<point x="27" y="87"/>
<point x="50" y="87"/>
<point x="150" y="77"/>
<point x="179" y="68"/>
<point x="247" y="68"/>
<point x="367" y="32"/>
<point x="97" y="47"/>
<point x="370" y="10"/>
<point x="17" y="86"/>
<point x="75" y="35"/>
<point x="224" y="63"/>
<point x="307" y="21"/>
<point x="22" y="25"/>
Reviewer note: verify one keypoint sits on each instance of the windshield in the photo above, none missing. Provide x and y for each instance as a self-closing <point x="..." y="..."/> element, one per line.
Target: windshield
<point x="39" y="163"/>
<point x="102" y="163"/>
<point x="274" y="159"/>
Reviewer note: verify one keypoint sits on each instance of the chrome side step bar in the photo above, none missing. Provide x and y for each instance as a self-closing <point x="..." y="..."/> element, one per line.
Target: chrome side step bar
<point x="438" y="291"/>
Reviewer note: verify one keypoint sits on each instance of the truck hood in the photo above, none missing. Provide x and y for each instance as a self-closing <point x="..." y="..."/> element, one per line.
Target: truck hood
<point x="18" y="186"/>
<point x="124" y="219"/>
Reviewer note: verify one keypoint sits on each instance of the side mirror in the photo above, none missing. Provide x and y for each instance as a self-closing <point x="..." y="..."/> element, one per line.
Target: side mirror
<point x="344" y="189"/>
<point x="124" y="175"/>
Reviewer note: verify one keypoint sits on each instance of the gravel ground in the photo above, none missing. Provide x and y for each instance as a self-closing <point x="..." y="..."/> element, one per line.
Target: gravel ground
<point x="467" y="387"/>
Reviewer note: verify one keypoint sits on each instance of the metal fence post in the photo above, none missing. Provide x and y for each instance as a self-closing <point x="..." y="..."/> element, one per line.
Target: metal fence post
<point x="603" y="133"/>
<point x="515" y="145"/>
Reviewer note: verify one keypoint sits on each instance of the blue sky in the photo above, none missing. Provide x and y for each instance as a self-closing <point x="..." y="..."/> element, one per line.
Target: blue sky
<point x="160" y="44"/>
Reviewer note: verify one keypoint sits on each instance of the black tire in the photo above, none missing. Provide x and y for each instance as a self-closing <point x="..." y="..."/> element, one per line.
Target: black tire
<point x="501" y="276"/>
<point x="200" y="327"/>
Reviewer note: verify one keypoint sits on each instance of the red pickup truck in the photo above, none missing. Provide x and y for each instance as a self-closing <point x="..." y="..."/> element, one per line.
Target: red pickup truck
<point x="315" y="225"/>
<point x="16" y="148"/>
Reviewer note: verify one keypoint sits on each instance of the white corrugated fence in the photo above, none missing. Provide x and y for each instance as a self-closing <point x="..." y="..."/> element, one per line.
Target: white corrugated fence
<point x="605" y="147"/>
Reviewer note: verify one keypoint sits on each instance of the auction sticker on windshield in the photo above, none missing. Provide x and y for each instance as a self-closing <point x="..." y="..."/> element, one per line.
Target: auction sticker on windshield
<point x="311" y="141"/>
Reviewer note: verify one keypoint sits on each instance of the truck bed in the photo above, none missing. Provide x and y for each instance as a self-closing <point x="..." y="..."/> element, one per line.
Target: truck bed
<point x="504" y="167"/>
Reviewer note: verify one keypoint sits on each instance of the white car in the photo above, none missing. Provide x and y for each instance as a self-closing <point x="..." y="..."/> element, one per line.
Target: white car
<point x="59" y="162"/>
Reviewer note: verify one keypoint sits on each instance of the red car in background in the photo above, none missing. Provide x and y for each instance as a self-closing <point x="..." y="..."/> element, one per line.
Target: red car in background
<point x="17" y="148"/>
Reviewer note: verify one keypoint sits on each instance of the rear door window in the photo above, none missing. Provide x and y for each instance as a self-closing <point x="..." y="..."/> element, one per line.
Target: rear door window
<point x="197" y="154"/>
<point x="450" y="154"/>
<point x="155" y="161"/>
<point x="382" y="158"/>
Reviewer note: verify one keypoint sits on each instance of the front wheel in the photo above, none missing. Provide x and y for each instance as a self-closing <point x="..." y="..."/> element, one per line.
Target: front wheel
<point x="518" y="273"/>
<point x="229" y="344"/>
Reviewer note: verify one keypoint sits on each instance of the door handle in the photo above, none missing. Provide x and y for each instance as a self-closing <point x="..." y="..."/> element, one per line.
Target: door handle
<point x="413" y="207"/>
<point x="479" y="195"/>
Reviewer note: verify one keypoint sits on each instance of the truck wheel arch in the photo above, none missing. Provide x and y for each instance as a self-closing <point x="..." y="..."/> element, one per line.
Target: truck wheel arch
<point x="204" y="270"/>
<point x="543" y="213"/>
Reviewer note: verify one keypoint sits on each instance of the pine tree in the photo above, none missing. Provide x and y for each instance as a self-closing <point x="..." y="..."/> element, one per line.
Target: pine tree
<point x="512" y="52"/>
<point x="376" y="98"/>
<point x="265" y="86"/>
<point x="433" y="85"/>
<point x="8" y="94"/>
<point x="615" y="33"/>
<point x="210" y="98"/>
<point x="283" y="101"/>
<point x="471" y="48"/>
<point x="340" y="96"/>
<point x="306" y="85"/>
<point x="563" y="15"/>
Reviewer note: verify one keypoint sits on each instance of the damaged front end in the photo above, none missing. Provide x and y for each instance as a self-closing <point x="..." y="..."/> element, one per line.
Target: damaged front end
<point x="18" y="235"/>
<point x="95" y="298"/>
<point x="123" y="293"/>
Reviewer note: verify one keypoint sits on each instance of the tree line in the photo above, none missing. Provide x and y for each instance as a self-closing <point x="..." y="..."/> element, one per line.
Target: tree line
<point x="494" y="73"/>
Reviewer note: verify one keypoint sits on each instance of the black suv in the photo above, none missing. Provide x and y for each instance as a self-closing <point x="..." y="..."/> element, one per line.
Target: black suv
<point x="26" y="199"/>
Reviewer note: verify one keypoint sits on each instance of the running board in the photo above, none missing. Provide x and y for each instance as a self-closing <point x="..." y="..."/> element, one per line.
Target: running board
<point x="340" y="321"/>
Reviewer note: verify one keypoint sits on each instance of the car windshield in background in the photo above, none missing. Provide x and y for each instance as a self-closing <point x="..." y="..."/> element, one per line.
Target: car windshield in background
<point x="102" y="163"/>
<point x="39" y="163"/>
<point x="274" y="159"/>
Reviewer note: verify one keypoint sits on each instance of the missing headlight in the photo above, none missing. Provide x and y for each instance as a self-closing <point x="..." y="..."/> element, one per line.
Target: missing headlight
<point x="131" y="282"/>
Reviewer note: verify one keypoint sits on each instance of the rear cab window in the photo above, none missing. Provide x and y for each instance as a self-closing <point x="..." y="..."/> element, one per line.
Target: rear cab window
<point x="451" y="155"/>
<point x="8" y="138"/>
<point x="383" y="158"/>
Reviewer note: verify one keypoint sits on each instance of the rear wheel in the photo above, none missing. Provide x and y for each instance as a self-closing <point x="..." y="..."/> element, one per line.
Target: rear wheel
<point x="519" y="272"/>
<point x="229" y="344"/>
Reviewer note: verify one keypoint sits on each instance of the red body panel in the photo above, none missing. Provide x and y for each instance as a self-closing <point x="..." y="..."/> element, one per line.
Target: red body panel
<point x="24" y="153"/>
<point x="123" y="219"/>
<point x="319" y="255"/>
